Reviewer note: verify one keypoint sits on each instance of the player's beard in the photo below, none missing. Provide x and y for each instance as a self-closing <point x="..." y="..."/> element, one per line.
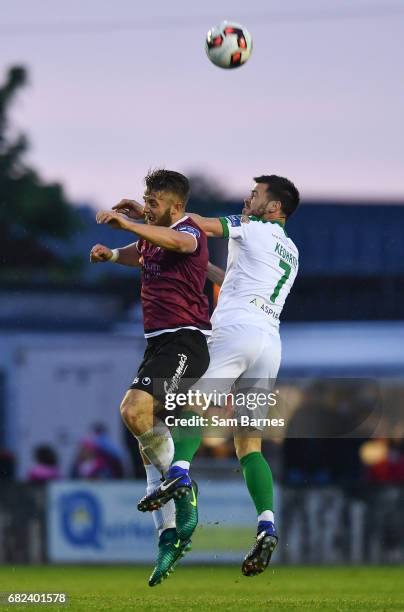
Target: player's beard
<point x="259" y="210"/>
<point x="163" y="220"/>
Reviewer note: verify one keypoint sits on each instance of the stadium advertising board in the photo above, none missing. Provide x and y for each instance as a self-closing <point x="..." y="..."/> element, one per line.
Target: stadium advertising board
<point x="99" y="523"/>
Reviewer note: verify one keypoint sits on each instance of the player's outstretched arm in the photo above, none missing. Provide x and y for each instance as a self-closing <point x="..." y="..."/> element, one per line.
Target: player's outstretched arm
<point x="215" y="274"/>
<point x="164" y="237"/>
<point x="210" y="225"/>
<point x="127" y="256"/>
<point x="130" y="208"/>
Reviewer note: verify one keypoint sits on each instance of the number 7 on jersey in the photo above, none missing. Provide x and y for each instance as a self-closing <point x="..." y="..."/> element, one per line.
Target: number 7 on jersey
<point x="287" y="268"/>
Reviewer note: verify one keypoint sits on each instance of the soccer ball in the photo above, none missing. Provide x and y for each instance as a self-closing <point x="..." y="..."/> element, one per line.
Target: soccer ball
<point x="228" y="45"/>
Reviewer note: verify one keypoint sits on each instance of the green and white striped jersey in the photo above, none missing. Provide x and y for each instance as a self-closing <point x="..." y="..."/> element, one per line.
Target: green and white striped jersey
<point x="262" y="265"/>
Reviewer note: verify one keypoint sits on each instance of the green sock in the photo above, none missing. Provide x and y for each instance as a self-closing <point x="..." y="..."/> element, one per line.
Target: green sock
<point x="258" y="478"/>
<point x="187" y="439"/>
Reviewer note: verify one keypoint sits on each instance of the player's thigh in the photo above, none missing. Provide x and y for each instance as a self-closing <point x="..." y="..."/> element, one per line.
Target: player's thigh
<point x="178" y="360"/>
<point x="229" y="351"/>
<point x="266" y="362"/>
<point x="187" y="358"/>
<point x="257" y="382"/>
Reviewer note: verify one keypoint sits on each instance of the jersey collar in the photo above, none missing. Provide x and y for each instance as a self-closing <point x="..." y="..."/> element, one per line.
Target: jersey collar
<point x="179" y="221"/>
<point x="254" y="218"/>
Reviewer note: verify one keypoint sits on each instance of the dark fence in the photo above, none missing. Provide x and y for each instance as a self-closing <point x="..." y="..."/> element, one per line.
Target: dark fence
<point x="330" y="525"/>
<point x="22" y="523"/>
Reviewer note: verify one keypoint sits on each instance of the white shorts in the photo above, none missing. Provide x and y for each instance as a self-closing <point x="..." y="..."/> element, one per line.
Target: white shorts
<point x="242" y="357"/>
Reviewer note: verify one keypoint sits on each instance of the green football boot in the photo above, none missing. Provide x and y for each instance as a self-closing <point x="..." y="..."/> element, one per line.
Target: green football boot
<point x="178" y="486"/>
<point x="171" y="549"/>
<point x="186" y="512"/>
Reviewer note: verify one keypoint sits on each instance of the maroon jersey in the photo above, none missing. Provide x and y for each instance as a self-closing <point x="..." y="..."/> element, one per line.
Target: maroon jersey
<point x="172" y="284"/>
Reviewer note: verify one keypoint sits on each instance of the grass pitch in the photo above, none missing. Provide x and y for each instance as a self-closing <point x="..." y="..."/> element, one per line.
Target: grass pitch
<point x="217" y="589"/>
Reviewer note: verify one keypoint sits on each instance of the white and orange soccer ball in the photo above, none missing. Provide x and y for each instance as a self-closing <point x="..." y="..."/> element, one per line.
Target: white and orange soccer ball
<point x="228" y="45"/>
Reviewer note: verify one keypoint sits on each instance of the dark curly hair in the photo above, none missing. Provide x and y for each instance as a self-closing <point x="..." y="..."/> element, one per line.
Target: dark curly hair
<point x="282" y="189"/>
<point x="170" y="182"/>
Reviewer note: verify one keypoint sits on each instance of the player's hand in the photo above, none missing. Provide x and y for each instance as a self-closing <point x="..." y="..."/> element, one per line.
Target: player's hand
<point x="114" y="219"/>
<point x="130" y="208"/>
<point x="246" y="208"/>
<point x="100" y="253"/>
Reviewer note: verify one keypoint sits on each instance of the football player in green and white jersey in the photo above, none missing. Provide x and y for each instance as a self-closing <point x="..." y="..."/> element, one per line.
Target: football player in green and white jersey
<point x="244" y="346"/>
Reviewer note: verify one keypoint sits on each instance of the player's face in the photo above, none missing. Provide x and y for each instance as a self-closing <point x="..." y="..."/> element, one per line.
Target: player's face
<point x="257" y="202"/>
<point x="157" y="208"/>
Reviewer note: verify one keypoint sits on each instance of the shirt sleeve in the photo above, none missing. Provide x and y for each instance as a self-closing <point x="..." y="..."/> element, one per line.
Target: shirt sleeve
<point x="193" y="231"/>
<point x="233" y="227"/>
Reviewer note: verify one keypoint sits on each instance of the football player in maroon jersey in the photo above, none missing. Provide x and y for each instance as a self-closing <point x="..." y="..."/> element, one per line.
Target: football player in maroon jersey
<point x="173" y="255"/>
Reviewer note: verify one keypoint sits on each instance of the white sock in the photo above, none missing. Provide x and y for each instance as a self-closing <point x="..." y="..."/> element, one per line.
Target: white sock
<point x="267" y="515"/>
<point x="158" y="446"/>
<point x="182" y="464"/>
<point x="164" y="518"/>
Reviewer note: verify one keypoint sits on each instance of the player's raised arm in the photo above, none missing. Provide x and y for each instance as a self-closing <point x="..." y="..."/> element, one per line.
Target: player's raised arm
<point x="126" y="256"/>
<point x="212" y="226"/>
<point x="164" y="237"/>
<point x="215" y="274"/>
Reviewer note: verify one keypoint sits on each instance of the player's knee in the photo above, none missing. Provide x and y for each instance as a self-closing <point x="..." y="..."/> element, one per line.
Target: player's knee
<point x="240" y="449"/>
<point x="127" y="410"/>
<point x="130" y="409"/>
<point x="245" y="446"/>
<point x="135" y="412"/>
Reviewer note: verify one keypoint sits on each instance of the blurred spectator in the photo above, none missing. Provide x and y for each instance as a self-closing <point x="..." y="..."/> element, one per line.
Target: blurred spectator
<point x="384" y="460"/>
<point x="100" y="431"/>
<point x="98" y="456"/>
<point x="46" y="465"/>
